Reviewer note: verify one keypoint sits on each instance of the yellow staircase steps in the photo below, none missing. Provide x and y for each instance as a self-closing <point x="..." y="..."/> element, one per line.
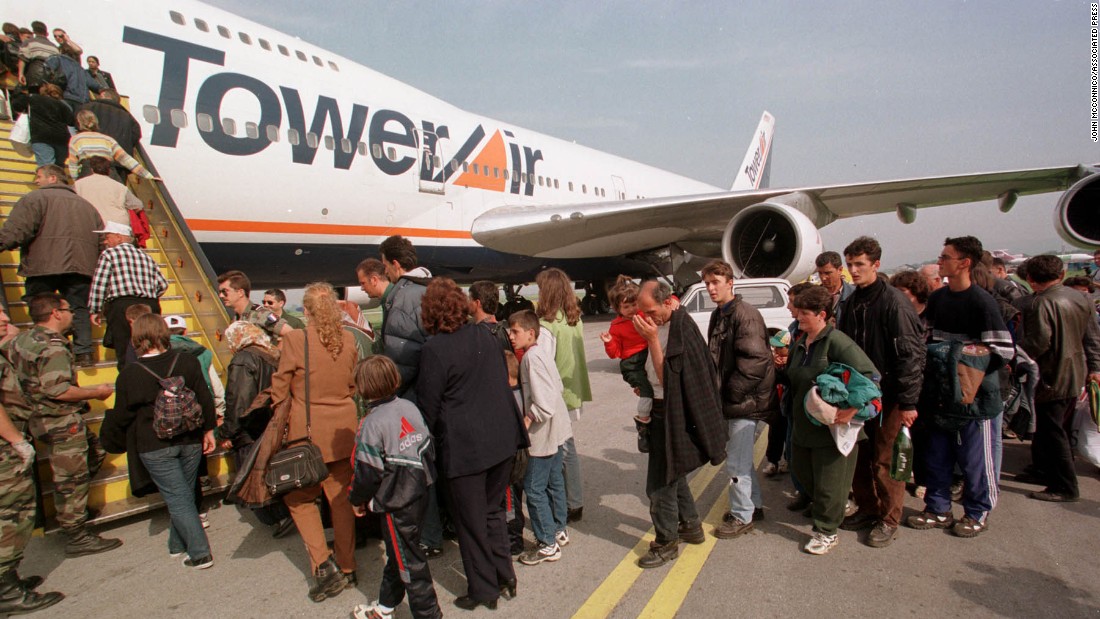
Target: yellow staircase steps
<point x="192" y="293"/>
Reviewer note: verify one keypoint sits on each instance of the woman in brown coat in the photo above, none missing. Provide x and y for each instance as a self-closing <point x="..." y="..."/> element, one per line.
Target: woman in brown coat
<point x="332" y="357"/>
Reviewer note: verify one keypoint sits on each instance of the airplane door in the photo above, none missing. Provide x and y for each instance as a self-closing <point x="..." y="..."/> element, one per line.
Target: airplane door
<point x="620" y="187"/>
<point x="431" y="163"/>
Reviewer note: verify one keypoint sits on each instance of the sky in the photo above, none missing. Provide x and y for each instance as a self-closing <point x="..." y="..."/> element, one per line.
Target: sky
<point x="861" y="91"/>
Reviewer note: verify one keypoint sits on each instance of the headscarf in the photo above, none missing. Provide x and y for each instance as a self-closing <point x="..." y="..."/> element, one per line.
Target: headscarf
<point x="242" y="334"/>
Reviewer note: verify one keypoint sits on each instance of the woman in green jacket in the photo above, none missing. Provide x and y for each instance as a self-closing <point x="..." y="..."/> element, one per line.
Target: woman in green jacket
<point x="824" y="472"/>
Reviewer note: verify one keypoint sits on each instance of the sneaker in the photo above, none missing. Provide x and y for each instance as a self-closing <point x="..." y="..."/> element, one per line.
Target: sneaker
<point x="821" y="544"/>
<point x="374" y="610"/>
<point x="769" y="469"/>
<point x="204" y="517"/>
<point x="784" y="467"/>
<point x="199" y="564"/>
<point x="930" y="520"/>
<point x="176" y="555"/>
<point x="430" y="552"/>
<point x="968" y="527"/>
<point x="540" y="554"/>
<point x="732" y="527"/>
<point x="691" y="533"/>
<point x="562" y="538"/>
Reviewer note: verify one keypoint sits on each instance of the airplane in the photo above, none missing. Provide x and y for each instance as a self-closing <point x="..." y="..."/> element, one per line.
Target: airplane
<point x="293" y="163"/>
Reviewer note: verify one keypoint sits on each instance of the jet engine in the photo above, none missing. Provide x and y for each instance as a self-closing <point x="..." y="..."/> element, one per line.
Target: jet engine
<point x="1077" y="218"/>
<point x="771" y="240"/>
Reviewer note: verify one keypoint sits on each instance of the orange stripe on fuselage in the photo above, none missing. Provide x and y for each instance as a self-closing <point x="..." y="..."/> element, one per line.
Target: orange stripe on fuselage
<point x="279" y="227"/>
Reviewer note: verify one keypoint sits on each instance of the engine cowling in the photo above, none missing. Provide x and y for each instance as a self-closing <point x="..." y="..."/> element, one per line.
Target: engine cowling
<point x="771" y="240"/>
<point x="1077" y="218"/>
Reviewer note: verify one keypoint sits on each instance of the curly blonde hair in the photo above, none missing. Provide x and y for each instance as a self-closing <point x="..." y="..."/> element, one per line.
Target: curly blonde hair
<point x="325" y="316"/>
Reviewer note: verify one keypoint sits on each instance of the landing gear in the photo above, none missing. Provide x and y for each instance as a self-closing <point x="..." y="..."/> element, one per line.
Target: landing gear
<point x="595" y="301"/>
<point x="513" y="303"/>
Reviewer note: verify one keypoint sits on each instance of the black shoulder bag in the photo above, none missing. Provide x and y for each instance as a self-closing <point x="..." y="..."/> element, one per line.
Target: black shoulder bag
<point x="300" y="463"/>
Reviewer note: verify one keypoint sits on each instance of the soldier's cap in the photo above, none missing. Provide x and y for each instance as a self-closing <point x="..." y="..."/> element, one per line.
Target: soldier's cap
<point x="175" y="322"/>
<point x="113" y="227"/>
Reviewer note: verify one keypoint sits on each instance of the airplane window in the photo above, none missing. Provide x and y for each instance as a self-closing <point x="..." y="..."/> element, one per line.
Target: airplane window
<point x="330" y="142"/>
<point x="570" y="185"/>
<point x="345" y="145"/>
<point x="474" y="167"/>
<point x="391" y="153"/>
<point x="317" y="61"/>
<point x="229" y="126"/>
<point x="204" y="122"/>
<point x="179" y="118"/>
<point x="437" y="162"/>
<point x="363" y="148"/>
<point x="584" y="188"/>
<point x="540" y="181"/>
<point x="222" y="30"/>
<point x="376" y="151"/>
<point x="556" y="184"/>
<point x="247" y="40"/>
<point x="151" y="114"/>
<point x="311" y="139"/>
<point x="301" y="55"/>
<point x="264" y="44"/>
<point x="496" y="172"/>
<point x="523" y="177"/>
<point x="252" y="130"/>
<point x="176" y="17"/>
<point x="201" y="25"/>
<point x="272" y="133"/>
<point x="504" y="172"/>
<point x="465" y="167"/>
<point x="283" y="50"/>
<point x="332" y="65"/>
<point x="293" y="137"/>
<point x="454" y="166"/>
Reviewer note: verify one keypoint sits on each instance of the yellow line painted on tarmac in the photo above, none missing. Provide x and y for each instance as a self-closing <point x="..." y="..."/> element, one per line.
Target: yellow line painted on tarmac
<point x="607" y="596"/>
<point x="670" y="595"/>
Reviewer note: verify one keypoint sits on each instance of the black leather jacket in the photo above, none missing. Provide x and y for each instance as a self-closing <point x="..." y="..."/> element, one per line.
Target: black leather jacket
<point x="885" y="325"/>
<point x="1061" y="335"/>
<point x="738" y="342"/>
<point x="248" y="374"/>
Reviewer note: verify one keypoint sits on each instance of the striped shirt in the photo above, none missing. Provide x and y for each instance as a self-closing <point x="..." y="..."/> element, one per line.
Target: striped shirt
<point x="125" y="271"/>
<point x="88" y="144"/>
<point x="37" y="48"/>
<point x="969" y="316"/>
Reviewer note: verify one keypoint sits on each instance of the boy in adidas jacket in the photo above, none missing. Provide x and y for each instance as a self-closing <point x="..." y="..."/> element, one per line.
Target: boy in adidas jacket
<point x="394" y="467"/>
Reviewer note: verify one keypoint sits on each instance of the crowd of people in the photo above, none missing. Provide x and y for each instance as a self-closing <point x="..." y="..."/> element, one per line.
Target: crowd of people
<point x="446" y="418"/>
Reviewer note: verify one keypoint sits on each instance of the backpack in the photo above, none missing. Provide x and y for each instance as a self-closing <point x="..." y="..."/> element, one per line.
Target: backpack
<point x="176" y="410"/>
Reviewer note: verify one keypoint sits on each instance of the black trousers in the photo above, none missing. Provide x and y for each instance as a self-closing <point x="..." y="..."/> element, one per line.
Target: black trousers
<point x="406" y="568"/>
<point x="75" y="289"/>
<point x="478" y="509"/>
<point x="117" y="335"/>
<point x="1051" y="447"/>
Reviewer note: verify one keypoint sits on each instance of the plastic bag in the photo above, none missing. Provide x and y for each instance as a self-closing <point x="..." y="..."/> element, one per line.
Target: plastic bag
<point x="901" y="466"/>
<point x="20" y="136"/>
<point x="1084" y="435"/>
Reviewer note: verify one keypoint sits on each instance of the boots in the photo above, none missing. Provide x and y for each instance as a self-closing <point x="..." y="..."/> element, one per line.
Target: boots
<point x="82" y="542"/>
<point x="659" y="554"/>
<point x="328" y="581"/>
<point x="15" y="599"/>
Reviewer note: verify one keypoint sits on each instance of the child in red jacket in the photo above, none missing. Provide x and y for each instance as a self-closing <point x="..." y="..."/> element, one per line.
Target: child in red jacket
<point x="623" y="342"/>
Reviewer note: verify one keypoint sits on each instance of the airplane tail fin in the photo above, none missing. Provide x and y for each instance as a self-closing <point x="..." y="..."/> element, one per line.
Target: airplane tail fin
<point x="753" y="173"/>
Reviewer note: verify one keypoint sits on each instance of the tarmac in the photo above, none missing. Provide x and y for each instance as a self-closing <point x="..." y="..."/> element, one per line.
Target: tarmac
<point x="1036" y="559"/>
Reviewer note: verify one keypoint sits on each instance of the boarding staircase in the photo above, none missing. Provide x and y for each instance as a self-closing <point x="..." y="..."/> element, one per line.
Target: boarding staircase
<point x="192" y="293"/>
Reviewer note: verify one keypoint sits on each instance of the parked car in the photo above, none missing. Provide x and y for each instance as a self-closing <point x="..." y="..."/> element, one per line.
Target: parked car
<point x="769" y="295"/>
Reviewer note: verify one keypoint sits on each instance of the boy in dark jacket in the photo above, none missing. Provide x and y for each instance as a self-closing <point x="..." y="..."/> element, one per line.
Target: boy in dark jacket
<point x="394" y="467"/>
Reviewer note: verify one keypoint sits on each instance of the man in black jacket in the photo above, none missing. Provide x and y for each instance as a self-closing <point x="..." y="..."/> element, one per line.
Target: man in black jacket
<point x="686" y="429"/>
<point x="738" y="341"/>
<point x="884" y="324"/>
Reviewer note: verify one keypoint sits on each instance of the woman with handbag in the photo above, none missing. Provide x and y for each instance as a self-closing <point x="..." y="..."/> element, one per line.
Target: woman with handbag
<point x="317" y="372"/>
<point x="249" y="373"/>
<point x="463" y="392"/>
<point x="169" y="448"/>
<point x="49" y="119"/>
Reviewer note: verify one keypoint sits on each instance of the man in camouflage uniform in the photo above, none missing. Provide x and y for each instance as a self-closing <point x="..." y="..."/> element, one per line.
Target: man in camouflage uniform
<point x="234" y="288"/>
<point x="17" y="595"/>
<point x="44" y="363"/>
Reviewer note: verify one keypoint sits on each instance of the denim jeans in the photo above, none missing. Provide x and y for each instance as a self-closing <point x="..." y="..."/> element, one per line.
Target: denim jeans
<point x="174" y="470"/>
<point x="574" y="496"/>
<point x="744" y="483"/>
<point x="545" y="489"/>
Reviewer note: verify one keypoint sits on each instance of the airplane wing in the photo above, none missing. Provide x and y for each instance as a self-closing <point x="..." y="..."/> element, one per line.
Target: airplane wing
<point x="617" y="228"/>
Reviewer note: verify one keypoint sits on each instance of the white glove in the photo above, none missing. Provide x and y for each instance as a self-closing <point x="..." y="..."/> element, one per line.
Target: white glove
<point x="26" y="451"/>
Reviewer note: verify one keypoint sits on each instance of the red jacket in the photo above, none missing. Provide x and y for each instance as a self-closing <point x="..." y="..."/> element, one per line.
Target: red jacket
<point x="625" y="339"/>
